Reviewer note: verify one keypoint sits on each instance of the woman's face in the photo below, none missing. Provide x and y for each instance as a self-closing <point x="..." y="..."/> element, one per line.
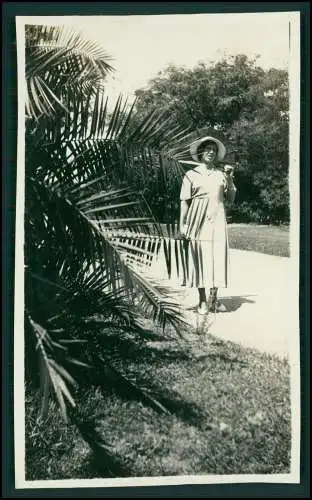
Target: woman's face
<point x="209" y="152"/>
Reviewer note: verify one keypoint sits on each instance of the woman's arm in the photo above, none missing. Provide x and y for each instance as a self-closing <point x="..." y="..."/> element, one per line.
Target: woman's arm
<point x="230" y="192"/>
<point x="184" y="207"/>
<point x="185" y="200"/>
<point x="230" y="188"/>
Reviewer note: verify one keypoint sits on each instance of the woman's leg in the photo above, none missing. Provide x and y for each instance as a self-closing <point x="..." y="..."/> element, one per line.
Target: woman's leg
<point x="203" y="305"/>
<point x="214" y="304"/>
<point x="213" y="294"/>
<point x="202" y="296"/>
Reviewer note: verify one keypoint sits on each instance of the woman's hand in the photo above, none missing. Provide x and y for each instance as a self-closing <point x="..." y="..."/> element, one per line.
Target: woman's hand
<point x="229" y="171"/>
<point x="183" y="231"/>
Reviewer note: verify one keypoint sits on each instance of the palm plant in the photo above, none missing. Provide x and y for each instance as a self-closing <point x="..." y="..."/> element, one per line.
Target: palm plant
<point x="88" y="235"/>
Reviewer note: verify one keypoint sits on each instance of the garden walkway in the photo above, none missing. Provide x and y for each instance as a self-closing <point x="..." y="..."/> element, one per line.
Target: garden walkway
<point x="262" y="302"/>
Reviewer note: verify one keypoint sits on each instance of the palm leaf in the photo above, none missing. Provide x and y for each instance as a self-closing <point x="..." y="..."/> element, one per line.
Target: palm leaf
<point x="58" y="60"/>
<point x="84" y="271"/>
<point x="87" y="159"/>
<point x="84" y="242"/>
<point x="53" y="373"/>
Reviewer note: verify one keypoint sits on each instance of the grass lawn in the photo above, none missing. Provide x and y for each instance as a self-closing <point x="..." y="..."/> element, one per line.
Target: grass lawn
<point x="272" y="240"/>
<point x="228" y="412"/>
<point x="227" y="407"/>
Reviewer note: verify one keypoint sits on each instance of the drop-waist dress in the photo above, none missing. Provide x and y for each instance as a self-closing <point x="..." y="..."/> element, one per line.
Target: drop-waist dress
<point x="207" y="255"/>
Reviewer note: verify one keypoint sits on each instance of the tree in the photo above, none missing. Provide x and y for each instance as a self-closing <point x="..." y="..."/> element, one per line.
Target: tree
<point x="262" y="142"/>
<point x="249" y="108"/>
<point x="82" y="278"/>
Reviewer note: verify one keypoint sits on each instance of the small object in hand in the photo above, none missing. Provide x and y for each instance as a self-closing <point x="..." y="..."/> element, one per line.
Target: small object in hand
<point x="228" y="170"/>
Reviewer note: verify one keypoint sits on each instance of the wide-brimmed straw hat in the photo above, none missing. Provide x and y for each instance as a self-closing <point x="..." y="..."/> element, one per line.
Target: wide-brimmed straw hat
<point x="199" y="142"/>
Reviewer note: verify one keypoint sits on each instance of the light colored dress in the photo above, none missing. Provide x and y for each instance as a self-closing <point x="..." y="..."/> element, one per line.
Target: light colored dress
<point x="207" y="256"/>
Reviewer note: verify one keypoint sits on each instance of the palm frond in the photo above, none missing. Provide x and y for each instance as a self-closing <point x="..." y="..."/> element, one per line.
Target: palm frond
<point x="88" y="236"/>
<point x="79" y="240"/>
<point x="53" y="375"/>
<point x="83" y="177"/>
<point x="59" y="60"/>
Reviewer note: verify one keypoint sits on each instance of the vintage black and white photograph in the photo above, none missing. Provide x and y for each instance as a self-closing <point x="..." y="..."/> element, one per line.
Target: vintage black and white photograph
<point x="157" y="250"/>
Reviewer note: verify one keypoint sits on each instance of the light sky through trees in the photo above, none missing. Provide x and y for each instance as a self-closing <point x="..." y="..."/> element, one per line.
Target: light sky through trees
<point x="141" y="46"/>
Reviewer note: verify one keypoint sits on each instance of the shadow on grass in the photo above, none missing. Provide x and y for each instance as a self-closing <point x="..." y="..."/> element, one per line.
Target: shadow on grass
<point x="135" y="350"/>
<point x="97" y="466"/>
<point x="126" y="370"/>
<point x="103" y="461"/>
<point x="151" y="395"/>
<point x="185" y="411"/>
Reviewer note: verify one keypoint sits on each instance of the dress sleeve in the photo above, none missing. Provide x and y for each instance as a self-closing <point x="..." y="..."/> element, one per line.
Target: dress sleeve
<point x="186" y="188"/>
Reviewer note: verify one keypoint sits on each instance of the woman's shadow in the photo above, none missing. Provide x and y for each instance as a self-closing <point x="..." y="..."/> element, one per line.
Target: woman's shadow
<point x="231" y="303"/>
<point x="203" y="323"/>
<point x="234" y="303"/>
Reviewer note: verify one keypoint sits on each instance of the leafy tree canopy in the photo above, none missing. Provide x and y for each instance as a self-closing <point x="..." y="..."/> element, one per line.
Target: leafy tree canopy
<point x="248" y="106"/>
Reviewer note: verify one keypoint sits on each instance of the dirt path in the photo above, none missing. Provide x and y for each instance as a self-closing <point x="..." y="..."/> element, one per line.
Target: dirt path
<point x="261" y="301"/>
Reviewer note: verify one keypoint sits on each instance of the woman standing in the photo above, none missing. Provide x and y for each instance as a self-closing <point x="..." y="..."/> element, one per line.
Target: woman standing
<point x="203" y="221"/>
